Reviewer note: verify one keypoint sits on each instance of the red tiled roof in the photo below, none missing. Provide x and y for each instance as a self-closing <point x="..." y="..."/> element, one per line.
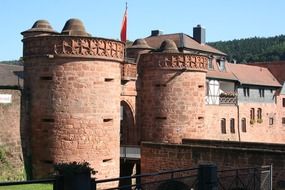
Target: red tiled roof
<point x="253" y="75"/>
<point x="221" y="75"/>
<point x="277" y="68"/>
<point x="182" y="41"/>
<point x="245" y="74"/>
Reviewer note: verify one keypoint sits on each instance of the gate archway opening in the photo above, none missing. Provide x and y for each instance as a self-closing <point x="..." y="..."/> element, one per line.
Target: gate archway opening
<point x="128" y="131"/>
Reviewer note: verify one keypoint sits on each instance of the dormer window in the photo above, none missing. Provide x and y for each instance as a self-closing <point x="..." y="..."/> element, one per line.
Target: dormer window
<point x="210" y="63"/>
<point x="221" y="64"/>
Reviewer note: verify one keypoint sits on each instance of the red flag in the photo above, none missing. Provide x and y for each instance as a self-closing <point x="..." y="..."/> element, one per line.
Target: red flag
<point x="124" y="28"/>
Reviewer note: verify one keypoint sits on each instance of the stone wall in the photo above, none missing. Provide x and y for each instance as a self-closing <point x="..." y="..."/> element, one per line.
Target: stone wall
<point x="213" y="116"/>
<point x="10" y="138"/>
<point x="254" y="131"/>
<point x="171" y="96"/>
<point x="262" y="130"/>
<point x="74" y="107"/>
<point x="156" y="157"/>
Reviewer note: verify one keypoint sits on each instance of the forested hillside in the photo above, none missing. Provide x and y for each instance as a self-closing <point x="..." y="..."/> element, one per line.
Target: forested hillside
<point x="253" y="49"/>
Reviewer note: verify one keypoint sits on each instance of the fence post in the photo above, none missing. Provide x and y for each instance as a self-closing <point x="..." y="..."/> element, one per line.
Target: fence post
<point x="254" y="176"/>
<point x="58" y="184"/>
<point x="93" y="184"/>
<point x="271" y="170"/>
<point x="237" y="176"/>
<point x="207" y="177"/>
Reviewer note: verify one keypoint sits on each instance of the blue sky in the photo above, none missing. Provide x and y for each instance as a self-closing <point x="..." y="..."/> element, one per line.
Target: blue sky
<point x="223" y="19"/>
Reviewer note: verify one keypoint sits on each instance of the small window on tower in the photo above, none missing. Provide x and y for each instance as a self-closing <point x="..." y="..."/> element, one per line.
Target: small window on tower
<point x="271" y="121"/>
<point x="283" y="120"/>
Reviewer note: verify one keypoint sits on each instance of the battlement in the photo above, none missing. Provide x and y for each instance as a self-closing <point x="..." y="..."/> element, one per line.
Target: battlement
<point x="161" y="60"/>
<point x="73" y="46"/>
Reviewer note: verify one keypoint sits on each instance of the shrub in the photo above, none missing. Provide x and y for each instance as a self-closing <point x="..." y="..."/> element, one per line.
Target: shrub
<point x="73" y="167"/>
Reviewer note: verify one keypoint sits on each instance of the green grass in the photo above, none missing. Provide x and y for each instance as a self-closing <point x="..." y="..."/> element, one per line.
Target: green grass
<point x="28" y="187"/>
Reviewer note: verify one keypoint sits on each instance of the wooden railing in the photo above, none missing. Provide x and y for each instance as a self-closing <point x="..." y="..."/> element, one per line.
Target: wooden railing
<point x="228" y="99"/>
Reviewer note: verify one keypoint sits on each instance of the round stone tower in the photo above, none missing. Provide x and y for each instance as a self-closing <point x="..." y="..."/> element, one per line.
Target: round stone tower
<point x="139" y="46"/>
<point x="72" y="90"/>
<point x="172" y="94"/>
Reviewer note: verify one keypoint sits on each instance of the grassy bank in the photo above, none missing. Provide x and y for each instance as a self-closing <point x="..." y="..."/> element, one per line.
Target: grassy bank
<point x="28" y="187"/>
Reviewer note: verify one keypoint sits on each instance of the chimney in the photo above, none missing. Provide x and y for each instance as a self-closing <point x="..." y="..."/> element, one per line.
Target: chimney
<point x="199" y="34"/>
<point x="156" y="32"/>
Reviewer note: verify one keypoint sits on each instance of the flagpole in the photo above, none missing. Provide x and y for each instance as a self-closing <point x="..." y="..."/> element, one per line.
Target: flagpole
<point x="125" y="58"/>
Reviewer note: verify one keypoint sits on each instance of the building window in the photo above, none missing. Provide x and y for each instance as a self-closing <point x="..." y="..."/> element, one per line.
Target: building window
<point x="261" y="93"/>
<point x="232" y="125"/>
<point x="283" y="120"/>
<point x="223" y="126"/>
<point x="283" y="102"/>
<point x="271" y="121"/>
<point x="243" y="125"/>
<point x="252" y="116"/>
<point x="259" y="115"/>
<point x="210" y="63"/>
<point x="221" y="64"/>
<point x="246" y="91"/>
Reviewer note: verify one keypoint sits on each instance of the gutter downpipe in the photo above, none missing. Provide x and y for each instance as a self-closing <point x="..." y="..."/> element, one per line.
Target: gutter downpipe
<point x="238" y="123"/>
<point x="238" y="117"/>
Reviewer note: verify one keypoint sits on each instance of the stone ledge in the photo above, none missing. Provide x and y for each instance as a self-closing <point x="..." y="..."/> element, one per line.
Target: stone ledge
<point x="174" y="61"/>
<point x="74" y="46"/>
<point x="216" y="147"/>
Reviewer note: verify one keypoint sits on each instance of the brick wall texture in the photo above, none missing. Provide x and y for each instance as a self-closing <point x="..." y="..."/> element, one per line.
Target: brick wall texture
<point x="172" y="105"/>
<point x="10" y="138"/>
<point x="213" y="116"/>
<point x="258" y="131"/>
<point x="74" y="113"/>
<point x="158" y="157"/>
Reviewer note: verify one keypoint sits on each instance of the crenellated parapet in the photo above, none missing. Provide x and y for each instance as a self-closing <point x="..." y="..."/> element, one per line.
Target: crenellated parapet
<point x="174" y="61"/>
<point x="74" y="46"/>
